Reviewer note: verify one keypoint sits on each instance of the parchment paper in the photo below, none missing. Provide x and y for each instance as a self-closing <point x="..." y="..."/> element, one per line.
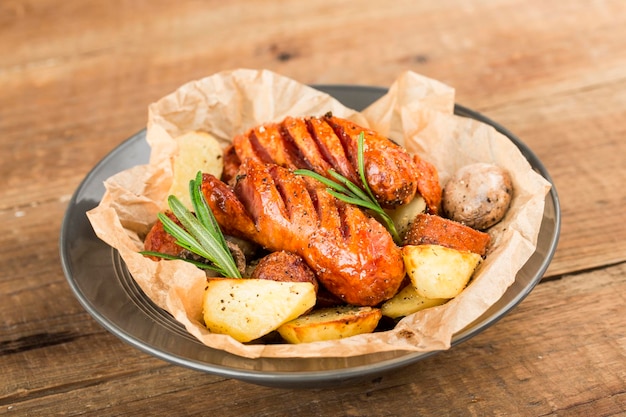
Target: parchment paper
<point x="417" y="112"/>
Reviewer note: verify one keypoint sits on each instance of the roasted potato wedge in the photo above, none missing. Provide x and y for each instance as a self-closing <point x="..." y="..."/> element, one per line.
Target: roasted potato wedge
<point x="408" y="301"/>
<point x="331" y="324"/>
<point x="197" y="151"/>
<point x="404" y="215"/>
<point x="437" y="271"/>
<point x="247" y="309"/>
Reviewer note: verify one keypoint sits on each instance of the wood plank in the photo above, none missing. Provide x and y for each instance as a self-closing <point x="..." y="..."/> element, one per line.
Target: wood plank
<point x="87" y="102"/>
<point x="76" y="79"/>
<point x="579" y="136"/>
<point x="500" y="46"/>
<point x="573" y="323"/>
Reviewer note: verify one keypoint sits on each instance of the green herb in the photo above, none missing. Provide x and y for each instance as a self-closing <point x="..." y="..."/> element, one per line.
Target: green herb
<point x="200" y="234"/>
<point x="345" y="190"/>
<point x="199" y="264"/>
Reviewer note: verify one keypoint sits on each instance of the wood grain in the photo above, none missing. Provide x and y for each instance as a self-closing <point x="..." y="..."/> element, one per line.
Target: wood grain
<point x="579" y="138"/>
<point x="89" y="93"/>
<point x="522" y="358"/>
<point x="76" y="79"/>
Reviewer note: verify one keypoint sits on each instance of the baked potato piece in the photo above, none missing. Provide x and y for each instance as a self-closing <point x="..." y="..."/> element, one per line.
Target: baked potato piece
<point x="478" y="195"/>
<point x="408" y="301"/>
<point x="404" y="215"/>
<point x="197" y="151"/>
<point x="428" y="229"/>
<point x="437" y="271"/>
<point x="247" y="309"/>
<point x="331" y="324"/>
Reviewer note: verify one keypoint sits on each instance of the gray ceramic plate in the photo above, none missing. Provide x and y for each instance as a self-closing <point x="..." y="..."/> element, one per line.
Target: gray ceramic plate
<point x="104" y="287"/>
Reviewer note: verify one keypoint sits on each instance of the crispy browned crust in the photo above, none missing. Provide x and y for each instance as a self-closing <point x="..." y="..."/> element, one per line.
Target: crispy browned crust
<point x="231" y="164"/>
<point x="429" y="229"/>
<point x="324" y="143"/>
<point x="285" y="267"/>
<point x="428" y="184"/>
<point x="158" y="240"/>
<point x="353" y="255"/>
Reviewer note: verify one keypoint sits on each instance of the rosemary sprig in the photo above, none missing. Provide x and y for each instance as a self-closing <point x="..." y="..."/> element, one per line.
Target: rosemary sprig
<point x="199" y="264"/>
<point x="200" y="234"/>
<point x="345" y="190"/>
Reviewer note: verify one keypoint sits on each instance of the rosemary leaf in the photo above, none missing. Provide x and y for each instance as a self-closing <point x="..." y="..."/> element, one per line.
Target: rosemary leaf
<point x="200" y="233"/>
<point x="353" y="200"/>
<point x="203" y="212"/>
<point x="176" y="258"/>
<point x="212" y="248"/>
<point x="183" y="238"/>
<point x="346" y="191"/>
<point x="326" y="181"/>
<point x="361" y="163"/>
<point x="353" y="188"/>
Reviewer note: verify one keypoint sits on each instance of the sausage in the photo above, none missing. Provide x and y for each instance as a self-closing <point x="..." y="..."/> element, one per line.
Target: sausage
<point x="429" y="229"/>
<point x="286" y="267"/>
<point x="323" y="143"/>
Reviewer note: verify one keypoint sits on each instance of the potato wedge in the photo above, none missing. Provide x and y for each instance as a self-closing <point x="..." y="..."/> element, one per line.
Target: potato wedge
<point x="331" y="324"/>
<point x="404" y="215"/>
<point x="197" y="151"/>
<point x="408" y="301"/>
<point x="437" y="271"/>
<point x="247" y="309"/>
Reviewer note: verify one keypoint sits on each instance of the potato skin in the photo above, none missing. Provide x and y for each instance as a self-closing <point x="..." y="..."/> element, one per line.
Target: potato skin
<point x="478" y="195"/>
<point x="331" y="324"/>
<point x="408" y="301"/>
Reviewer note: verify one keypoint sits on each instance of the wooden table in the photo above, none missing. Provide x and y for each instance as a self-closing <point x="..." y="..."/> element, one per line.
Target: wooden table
<point x="76" y="78"/>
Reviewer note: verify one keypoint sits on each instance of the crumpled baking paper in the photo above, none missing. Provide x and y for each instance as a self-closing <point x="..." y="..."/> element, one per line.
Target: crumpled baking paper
<point x="417" y="112"/>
